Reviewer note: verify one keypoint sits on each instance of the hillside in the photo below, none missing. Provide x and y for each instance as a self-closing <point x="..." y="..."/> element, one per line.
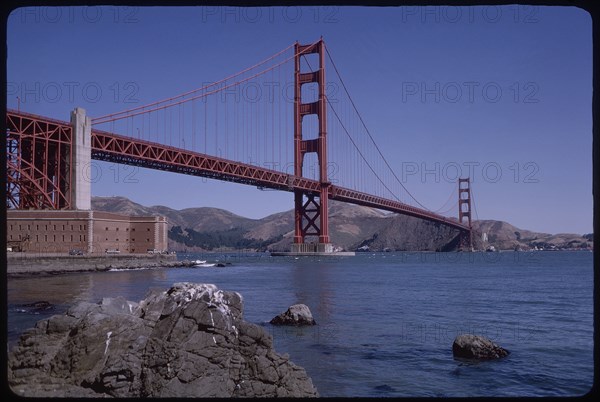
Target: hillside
<point x="203" y="218"/>
<point x="504" y="236"/>
<point x="351" y="227"/>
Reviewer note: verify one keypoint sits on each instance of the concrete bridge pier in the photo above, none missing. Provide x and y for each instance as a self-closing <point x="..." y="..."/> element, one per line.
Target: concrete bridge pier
<point x="81" y="169"/>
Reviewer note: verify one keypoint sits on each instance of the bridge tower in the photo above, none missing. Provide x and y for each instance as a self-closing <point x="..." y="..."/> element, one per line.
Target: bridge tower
<point x="464" y="211"/>
<point x="311" y="214"/>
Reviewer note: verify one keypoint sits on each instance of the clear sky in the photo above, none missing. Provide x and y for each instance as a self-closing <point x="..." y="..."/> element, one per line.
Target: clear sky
<point x="502" y="92"/>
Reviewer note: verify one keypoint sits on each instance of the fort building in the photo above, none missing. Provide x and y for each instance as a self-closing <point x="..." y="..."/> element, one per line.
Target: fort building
<point x="92" y="232"/>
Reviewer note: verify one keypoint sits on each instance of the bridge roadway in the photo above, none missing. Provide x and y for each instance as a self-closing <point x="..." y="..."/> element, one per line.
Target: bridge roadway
<point x="116" y="148"/>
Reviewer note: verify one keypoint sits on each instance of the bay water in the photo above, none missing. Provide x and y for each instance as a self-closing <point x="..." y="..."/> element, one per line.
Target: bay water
<point x="385" y="321"/>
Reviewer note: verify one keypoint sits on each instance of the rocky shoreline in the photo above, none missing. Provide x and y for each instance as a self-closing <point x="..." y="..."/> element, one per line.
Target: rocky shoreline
<point x="54" y="265"/>
<point x="188" y="341"/>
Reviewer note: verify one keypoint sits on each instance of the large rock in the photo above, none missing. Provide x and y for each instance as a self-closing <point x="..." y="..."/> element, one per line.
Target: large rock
<point x="468" y="346"/>
<point x="189" y="341"/>
<point x="298" y="314"/>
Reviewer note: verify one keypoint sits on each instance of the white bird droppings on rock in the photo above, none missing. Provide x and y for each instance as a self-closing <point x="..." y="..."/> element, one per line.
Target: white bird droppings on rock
<point x="108" y="334"/>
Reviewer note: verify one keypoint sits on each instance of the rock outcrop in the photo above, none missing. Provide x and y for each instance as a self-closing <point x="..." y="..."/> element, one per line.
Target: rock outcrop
<point x="189" y="341"/>
<point x="298" y="314"/>
<point x="468" y="346"/>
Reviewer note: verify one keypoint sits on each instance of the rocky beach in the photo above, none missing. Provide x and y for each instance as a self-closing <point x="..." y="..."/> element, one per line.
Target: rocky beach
<point x="187" y="341"/>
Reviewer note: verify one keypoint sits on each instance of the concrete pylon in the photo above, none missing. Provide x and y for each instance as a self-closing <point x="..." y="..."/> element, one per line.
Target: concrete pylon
<point x="81" y="169"/>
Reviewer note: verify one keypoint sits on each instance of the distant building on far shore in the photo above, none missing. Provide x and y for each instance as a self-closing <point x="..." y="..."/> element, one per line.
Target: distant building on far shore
<point x="92" y="232"/>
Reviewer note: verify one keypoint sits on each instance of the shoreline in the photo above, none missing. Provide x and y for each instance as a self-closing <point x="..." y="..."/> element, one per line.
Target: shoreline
<point x="23" y="264"/>
<point x="46" y="264"/>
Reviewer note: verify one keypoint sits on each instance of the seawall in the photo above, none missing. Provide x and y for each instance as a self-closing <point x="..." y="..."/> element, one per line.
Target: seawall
<point x="34" y="263"/>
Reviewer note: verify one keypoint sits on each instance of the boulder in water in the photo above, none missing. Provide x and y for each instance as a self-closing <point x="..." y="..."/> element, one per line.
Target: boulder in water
<point x="298" y="314"/>
<point x="469" y="346"/>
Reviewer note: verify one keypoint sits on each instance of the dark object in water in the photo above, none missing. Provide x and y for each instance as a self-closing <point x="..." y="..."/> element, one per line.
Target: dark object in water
<point x="468" y="346"/>
<point x="39" y="306"/>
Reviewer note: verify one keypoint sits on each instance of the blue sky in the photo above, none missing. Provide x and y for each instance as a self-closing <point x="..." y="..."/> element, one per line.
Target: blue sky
<point x="501" y="91"/>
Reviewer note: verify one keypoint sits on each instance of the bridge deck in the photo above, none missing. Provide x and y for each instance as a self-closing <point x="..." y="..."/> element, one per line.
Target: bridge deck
<point x="116" y="148"/>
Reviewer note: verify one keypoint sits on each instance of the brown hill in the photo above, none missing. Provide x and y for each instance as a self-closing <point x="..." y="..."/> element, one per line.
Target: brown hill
<point x="504" y="236"/>
<point x="351" y="227"/>
<point x="202" y="218"/>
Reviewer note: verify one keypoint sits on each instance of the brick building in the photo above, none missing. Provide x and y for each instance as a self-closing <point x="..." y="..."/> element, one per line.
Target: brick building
<point x="93" y="232"/>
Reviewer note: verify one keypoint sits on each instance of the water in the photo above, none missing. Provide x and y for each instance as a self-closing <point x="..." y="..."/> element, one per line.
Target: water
<point x="386" y="321"/>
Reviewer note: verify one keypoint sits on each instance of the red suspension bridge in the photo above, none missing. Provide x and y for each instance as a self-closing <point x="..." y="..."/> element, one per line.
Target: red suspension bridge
<point x="276" y="125"/>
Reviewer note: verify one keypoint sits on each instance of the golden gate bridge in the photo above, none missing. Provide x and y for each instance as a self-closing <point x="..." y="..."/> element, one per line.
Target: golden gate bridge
<point x="279" y="124"/>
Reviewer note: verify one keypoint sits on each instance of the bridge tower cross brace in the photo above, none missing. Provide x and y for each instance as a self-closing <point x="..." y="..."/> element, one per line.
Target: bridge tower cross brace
<point x="311" y="215"/>
<point x="464" y="211"/>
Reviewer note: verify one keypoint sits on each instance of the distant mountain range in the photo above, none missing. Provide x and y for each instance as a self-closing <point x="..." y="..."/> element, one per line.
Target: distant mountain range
<point x="352" y="227"/>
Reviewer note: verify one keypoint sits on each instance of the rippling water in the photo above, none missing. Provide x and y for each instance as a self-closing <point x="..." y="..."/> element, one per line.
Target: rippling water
<point x="386" y="321"/>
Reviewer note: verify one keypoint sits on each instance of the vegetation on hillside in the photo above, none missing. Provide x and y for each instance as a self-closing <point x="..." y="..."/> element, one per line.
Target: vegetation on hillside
<point x="231" y="238"/>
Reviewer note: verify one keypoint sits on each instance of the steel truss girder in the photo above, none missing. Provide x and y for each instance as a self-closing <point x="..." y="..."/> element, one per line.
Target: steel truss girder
<point x="39" y="155"/>
<point x="120" y="149"/>
<point x="373" y="201"/>
<point x="114" y="148"/>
